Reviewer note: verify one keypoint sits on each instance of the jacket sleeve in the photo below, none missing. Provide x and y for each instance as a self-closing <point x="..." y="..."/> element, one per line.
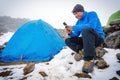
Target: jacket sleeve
<point x="92" y="21"/>
<point x="74" y="34"/>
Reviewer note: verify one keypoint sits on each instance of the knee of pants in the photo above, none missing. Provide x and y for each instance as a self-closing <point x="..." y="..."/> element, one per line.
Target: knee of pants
<point x="87" y="31"/>
<point x="67" y="41"/>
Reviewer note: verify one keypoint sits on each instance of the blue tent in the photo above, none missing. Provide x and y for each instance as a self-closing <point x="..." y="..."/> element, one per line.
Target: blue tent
<point x="34" y="41"/>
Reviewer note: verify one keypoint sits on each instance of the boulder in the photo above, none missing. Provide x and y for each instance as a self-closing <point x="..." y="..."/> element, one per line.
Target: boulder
<point x="29" y="68"/>
<point x="113" y="40"/>
<point x="100" y="52"/>
<point x="112" y="34"/>
<point x="101" y="64"/>
<point x="43" y="74"/>
<point x="82" y="75"/>
<point x="118" y="56"/>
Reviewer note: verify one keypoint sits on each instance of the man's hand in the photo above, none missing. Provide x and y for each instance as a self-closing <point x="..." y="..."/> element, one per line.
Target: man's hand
<point x="68" y="29"/>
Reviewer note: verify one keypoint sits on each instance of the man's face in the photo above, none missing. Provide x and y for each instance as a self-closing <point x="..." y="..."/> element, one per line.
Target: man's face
<point x="78" y="15"/>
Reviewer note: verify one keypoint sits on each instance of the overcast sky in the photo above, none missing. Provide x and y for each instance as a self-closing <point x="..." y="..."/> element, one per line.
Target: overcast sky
<point x="55" y="12"/>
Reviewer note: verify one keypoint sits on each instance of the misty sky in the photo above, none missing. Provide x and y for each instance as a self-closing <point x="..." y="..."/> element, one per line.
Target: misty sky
<point x="55" y="12"/>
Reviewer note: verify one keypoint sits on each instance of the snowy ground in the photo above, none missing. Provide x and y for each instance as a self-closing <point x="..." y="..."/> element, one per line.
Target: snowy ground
<point x="62" y="67"/>
<point x="4" y="38"/>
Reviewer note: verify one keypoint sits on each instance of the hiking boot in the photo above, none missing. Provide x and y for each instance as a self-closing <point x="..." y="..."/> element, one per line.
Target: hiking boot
<point x="78" y="56"/>
<point x="88" y="66"/>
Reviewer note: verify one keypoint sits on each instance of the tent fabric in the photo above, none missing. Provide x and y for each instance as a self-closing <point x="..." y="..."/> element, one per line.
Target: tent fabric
<point x="0" y="53"/>
<point x="34" y="41"/>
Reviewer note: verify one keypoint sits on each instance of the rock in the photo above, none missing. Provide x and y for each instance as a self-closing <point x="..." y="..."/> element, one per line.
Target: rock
<point x="63" y="33"/>
<point x="118" y="56"/>
<point x="100" y="52"/>
<point x="108" y="30"/>
<point x="72" y="53"/>
<point x="70" y="62"/>
<point x="118" y="61"/>
<point x="43" y="74"/>
<point x="118" y="72"/>
<point x="1" y="47"/>
<point x="29" y="68"/>
<point x="101" y="64"/>
<point x="47" y="63"/>
<point x="24" y="78"/>
<point x="5" y="73"/>
<point x="82" y="75"/>
<point x="78" y="56"/>
<point x="115" y="23"/>
<point x="114" y="26"/>
<point x="112" y="34"/>
<point x="5" y="44"/>
<point x="113" y="40"/>
<point x="114" y="78"/>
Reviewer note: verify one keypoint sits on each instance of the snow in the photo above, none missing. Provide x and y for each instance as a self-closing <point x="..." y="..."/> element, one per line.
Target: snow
<point x="62" y="66"/>
<point x="5" y="37"/>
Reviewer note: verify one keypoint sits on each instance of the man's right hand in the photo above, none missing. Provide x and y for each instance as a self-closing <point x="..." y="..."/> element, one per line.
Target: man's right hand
<point x="68" y="29"/>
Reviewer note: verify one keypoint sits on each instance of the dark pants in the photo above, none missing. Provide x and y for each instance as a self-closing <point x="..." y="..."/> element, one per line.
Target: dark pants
<point x="88" y="42"/>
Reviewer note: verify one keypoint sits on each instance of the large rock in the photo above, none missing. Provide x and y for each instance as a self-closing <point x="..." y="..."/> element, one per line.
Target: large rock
<point x="100" y="52"/>
<point x="112" y="34"/>
<point x="63" y="33"/>
<point x="82" y="75"/>
<point x="118" y="56"/>
<point x="101" y="64"/>
<point x="113" y="40"/>
<point x="29" y="68"/>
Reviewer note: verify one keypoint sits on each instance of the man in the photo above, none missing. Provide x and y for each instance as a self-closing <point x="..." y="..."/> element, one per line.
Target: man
<point x="86" y="35"/>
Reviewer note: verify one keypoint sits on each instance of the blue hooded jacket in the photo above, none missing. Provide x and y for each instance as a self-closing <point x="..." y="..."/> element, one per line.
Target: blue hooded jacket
<point x="89" y="19"/>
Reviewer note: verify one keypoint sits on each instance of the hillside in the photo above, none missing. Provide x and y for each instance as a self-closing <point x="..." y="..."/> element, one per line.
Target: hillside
<point x="8" y="23"/>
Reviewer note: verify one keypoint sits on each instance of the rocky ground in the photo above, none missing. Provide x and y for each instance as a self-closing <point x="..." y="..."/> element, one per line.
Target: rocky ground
<point x="63" y="67"/>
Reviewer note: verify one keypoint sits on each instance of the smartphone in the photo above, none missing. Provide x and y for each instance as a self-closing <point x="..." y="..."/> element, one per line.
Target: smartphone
<point x="64" y="23"/>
